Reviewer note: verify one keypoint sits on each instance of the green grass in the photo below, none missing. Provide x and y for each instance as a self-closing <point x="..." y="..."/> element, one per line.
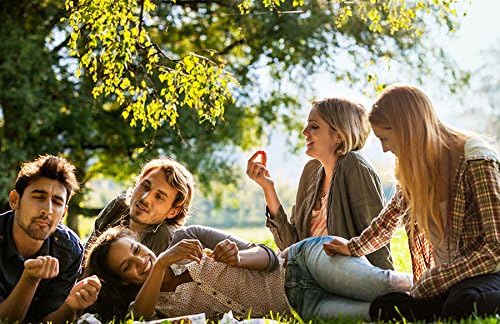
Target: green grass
<point x="254" y="234"/>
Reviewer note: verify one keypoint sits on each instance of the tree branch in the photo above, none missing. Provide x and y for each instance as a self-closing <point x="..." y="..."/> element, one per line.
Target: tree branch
<point x="140" y="16"/>
<point x="233" y="45"/>
<point x="58" y="47"/>
<point x="196" y="2"/>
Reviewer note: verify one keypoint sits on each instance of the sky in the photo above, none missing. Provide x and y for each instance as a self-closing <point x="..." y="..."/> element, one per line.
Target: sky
<point x="478" y="31"/>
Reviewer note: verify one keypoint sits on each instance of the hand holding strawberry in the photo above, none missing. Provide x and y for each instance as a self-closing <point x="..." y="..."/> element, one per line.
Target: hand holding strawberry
<point x="257" y="171"/>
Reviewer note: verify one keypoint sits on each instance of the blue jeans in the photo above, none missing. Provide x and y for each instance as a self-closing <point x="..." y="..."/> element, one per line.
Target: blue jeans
<point x="320" y="286"/>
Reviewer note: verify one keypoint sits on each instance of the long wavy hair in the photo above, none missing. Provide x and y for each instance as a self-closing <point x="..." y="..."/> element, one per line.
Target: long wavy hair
<point x="115" y="295"/>
<point x="420" y="138"/>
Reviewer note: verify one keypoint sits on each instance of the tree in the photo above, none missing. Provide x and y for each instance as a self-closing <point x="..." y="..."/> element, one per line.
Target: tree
<point x="141" y="53"/>
<point x="46" y="108"/>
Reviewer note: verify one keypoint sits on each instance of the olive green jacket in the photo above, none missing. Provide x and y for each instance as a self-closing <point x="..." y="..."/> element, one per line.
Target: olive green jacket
<point x="117" y="212"/>
<point x="355" y="198"/>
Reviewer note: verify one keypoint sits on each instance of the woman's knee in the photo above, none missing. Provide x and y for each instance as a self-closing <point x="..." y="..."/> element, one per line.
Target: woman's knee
<point x="460" y="304"/>
<point x="468" y="302"/>
<point x="385" y="307"/>
<point x="478" y="295"/>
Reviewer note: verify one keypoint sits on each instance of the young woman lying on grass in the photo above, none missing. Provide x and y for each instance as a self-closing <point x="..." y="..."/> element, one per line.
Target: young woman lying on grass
<point x="243" y="277"/>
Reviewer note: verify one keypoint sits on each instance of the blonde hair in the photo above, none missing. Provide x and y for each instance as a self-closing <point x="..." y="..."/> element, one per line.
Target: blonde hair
<point x="420" y="138"/>
<point x="179" y="177"/>
<point x="349" y="118"/>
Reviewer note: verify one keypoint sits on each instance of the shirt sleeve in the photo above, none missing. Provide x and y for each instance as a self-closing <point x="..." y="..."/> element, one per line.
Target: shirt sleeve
<point x="483" y="177"/>
<point x="58" y="289"/>
<point x="209" y="237"/>
<point x="3" y="293"/>
<point x="380" y="231"/>
<point x="366" y="199"/>
<point x="283" y="230"/>
<point x="108" y="214"/>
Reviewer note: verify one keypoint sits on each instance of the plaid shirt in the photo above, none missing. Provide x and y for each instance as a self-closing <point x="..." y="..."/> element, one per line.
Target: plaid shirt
<point x="475" y="226"/>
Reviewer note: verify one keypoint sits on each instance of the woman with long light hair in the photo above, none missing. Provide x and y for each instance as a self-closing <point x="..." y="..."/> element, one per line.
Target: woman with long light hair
<point x="448" y="198"/>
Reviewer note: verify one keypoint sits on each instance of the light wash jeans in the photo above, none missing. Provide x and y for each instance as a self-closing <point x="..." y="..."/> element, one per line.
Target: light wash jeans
<point x="320" y="286"/>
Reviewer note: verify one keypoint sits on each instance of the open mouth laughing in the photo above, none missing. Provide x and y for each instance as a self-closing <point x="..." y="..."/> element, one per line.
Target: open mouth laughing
<point x="149" y="265"/>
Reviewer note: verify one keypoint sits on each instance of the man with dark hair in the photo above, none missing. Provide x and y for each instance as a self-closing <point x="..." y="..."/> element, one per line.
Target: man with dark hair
<point x="40" y="258"/>
<point x="156" y="206"/>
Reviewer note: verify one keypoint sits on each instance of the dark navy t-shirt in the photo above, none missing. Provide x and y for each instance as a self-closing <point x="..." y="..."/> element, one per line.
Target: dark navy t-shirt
<point x="63" y="244"/>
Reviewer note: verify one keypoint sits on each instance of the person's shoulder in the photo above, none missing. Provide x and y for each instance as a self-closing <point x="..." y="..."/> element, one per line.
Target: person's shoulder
<point x="120" y="203"/>
<point x="4" y="219"/>
<point x="355" y="159"/>
<point x="165" y="232"/>
<point x="167" y="228"/>
<point x="310" y="172"/>
<point x="66" y="239"/>
<point x="160" y="237"/>
<point x="477" y="148"/>
<point x="114" y="210"/>
<point x="312" y="166"/>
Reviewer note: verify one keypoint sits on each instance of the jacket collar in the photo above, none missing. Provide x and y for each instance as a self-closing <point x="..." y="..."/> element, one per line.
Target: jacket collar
<point x="477" y="148"/>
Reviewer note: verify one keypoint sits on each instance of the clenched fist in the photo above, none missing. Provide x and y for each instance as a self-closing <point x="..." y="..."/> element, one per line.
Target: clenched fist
<point x="43" y="267"/>
<point x="227" y="252"/>
<point x="84" y="293"/>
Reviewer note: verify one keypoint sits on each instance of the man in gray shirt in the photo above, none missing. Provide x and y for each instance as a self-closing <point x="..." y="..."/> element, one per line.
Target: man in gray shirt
<point x="156" y="206"/>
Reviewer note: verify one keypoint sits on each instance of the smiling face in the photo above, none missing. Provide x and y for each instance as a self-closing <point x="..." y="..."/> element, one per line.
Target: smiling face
<point x="152" y="200"/>
<point x="387" y="138"/>
<point x="321" y="140"/>
<point x="40" y="209"/>
<point x="130" y="260"/>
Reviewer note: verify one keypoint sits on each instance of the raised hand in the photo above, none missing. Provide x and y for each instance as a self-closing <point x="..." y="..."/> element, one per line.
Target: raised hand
<point x="257" y="171"/>
<point x="338" y="245"/>
<point x="185" y="249"/>
<point x="43" y="267"/>
<point x="227" y="252"/>
<point x="84" y="293"/>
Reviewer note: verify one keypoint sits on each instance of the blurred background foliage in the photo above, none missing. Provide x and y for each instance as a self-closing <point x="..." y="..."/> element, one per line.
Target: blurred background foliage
<point x="272" y="54"/>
